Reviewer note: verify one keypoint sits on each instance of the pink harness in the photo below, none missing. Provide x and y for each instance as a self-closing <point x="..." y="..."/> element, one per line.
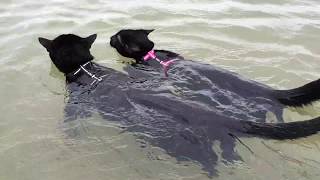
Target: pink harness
<point x="165" y="64"/>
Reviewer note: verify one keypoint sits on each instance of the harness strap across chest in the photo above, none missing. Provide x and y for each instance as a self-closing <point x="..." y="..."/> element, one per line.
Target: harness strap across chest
<point x="93" y="76"/>
<point x="165" y="64"/>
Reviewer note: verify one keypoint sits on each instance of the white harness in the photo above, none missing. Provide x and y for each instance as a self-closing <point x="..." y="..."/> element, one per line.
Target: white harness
<point x="82" y="67"/>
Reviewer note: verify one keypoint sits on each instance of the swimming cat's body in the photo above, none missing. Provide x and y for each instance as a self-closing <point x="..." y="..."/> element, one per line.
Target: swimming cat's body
<point x="184" y="124"/>
<point x="136" y="44"/>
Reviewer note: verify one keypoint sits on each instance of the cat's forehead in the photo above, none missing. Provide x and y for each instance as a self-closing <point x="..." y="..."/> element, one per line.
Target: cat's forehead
<point x="135" y="34"/>
<point x="66" y="40"/>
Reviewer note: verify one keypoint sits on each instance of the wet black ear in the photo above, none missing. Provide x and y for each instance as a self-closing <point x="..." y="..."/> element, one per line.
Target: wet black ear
<point x="46" y="43"/>
<point x="148" y="31"/>
<point x="90" y="39"/>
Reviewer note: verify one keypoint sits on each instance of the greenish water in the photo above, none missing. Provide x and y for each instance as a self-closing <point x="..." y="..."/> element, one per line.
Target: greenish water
<point x="273" y="42"/>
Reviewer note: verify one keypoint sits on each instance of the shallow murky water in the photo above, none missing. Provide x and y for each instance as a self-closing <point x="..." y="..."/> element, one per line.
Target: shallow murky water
<point x="274" y="42"/>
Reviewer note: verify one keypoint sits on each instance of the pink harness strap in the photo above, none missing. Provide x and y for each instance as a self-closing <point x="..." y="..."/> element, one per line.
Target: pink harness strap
<point x="150" y="55"/>
<point x="165" y="64"/>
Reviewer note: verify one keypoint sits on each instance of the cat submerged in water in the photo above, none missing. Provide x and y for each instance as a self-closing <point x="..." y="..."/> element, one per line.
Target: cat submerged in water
<point x="136" y="44"/>
<point x="184" y="127"/>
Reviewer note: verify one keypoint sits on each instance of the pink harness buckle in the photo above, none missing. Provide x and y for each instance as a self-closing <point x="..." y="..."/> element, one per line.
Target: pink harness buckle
<point x="165" y="64"/>
<point x="150" y="55"/>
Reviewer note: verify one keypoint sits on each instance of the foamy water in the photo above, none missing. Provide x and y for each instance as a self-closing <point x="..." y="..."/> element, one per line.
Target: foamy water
<point x="273" y="42"/>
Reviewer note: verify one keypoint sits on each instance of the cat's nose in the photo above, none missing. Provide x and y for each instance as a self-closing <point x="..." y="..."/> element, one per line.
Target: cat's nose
<point x="112" y="41"/>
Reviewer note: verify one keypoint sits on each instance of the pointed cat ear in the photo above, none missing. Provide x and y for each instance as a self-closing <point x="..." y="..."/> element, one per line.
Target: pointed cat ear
<point x="46" y="43"/>
<point x="90" y="39"/>
<point x="148" y="31"/>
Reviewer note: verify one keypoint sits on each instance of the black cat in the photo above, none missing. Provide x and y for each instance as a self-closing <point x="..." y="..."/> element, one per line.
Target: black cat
<point x="184" y="127"/>
<point x="136" y="44"/>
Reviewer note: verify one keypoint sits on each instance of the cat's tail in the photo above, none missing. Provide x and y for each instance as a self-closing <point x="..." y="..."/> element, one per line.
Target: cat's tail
<point x="281" y="131"/>
<point x="300" y="96"/>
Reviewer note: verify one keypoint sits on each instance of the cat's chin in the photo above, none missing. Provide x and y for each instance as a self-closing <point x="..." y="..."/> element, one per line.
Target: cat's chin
<point x="125" y="60"/>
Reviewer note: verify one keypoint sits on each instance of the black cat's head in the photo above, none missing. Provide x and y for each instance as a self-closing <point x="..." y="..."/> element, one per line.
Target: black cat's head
<point x="132" y="43"/>
<point x="69" y="51"/>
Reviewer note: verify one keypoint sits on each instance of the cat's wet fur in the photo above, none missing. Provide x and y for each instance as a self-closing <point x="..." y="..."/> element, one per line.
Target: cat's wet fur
<point x="137" y="44"/>
<point x="184" y="124"/>
<point x="69" y="51"/>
